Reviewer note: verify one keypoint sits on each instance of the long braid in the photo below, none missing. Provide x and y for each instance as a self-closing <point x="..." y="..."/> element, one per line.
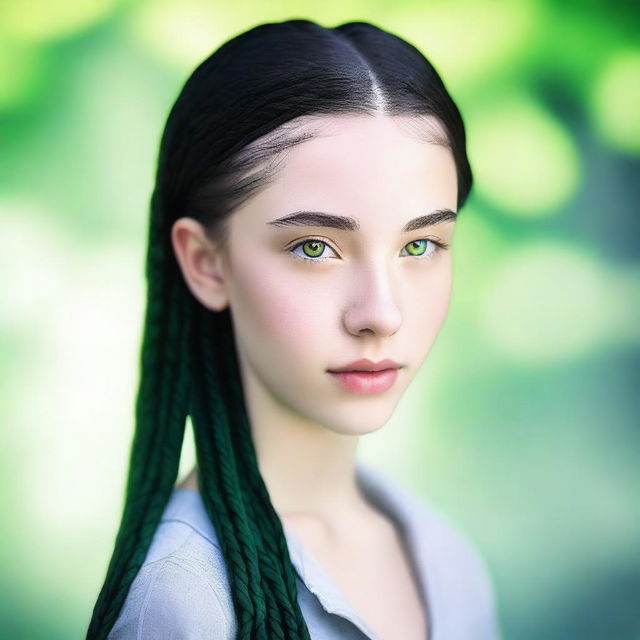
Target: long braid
<point x="273" y="591"/>
<point x="280" y="576"/>
<point x="161" y="409"/>
<point x="211" y="423"/>
<point x="171" y="385"/>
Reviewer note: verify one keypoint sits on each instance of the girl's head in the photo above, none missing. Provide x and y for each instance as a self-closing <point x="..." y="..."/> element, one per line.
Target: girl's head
<point x="351" y="122"/>
<point x="306" y="298"/>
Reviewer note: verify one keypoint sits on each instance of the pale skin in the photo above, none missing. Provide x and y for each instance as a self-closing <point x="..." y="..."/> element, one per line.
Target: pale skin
<point x="366" y="296"/>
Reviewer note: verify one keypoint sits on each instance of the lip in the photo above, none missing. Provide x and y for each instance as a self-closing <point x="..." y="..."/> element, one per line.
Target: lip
<point x="366" y="381"/>
<point x="366" y="376"/>
<point x="364" y="364"/>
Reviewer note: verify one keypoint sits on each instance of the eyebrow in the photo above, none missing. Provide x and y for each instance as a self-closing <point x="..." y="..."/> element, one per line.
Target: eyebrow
<point x="347" y="223"/>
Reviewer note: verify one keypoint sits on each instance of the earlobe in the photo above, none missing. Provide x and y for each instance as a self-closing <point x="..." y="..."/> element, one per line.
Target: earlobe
<point x="201" y="263"/>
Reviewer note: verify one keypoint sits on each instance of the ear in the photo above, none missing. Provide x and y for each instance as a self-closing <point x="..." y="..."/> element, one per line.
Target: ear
<point x="201" y="263"/>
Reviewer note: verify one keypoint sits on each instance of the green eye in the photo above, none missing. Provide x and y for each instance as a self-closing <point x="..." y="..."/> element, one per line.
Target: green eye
<point x="313" y="248"/>
<point x="417" y="247"/>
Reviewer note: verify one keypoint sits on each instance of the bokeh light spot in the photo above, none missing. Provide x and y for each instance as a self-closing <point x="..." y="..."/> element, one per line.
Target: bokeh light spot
<point x="523" y="159"/>
<point x="470" y="39"/>
<point x="20" y="70"/>
<point x="616" y="101"/>
<point x="40" y="20"/>
<point x="549" y="303"/>
<point x="180" y="33"/>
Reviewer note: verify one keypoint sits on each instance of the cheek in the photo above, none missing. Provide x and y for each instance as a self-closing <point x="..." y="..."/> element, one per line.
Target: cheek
<point x="442" y="297"/>
<point x="272" y="307"/>
<point x="430" y="309"/>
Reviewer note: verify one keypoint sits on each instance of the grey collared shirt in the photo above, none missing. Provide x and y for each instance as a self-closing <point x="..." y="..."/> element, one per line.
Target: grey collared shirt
<point x="182" y="589"/>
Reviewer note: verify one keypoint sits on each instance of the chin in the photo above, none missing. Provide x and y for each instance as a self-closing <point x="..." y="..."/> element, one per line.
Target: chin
<point x="359" y="421"/>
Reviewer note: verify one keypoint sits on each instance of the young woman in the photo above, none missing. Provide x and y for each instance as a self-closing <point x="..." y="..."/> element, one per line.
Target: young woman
<point x="299" y="270"/>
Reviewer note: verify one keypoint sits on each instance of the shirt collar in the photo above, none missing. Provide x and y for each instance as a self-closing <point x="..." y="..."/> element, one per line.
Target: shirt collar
<point x="404" y="510"/>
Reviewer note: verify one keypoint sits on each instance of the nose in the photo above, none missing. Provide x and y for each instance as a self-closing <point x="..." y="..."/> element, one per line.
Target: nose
<point x="373" y="307"/>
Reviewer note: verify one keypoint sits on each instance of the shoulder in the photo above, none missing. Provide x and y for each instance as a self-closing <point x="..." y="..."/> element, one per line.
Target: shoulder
<point x="181" y="590"/>
<point x="463" y="574"/>
<point x="456" y="570"/>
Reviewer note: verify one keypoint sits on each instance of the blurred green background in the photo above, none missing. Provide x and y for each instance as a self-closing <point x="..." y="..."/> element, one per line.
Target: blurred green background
<point x="522" y="425"/>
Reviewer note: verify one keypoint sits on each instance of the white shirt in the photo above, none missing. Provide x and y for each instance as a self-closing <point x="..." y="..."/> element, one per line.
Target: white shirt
<point x="182" y="589"/>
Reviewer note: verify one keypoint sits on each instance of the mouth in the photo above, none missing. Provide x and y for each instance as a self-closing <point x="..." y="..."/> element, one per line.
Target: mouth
<point x="366" y="382"/>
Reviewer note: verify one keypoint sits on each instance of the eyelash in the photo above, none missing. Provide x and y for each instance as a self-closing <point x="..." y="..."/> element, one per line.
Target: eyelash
<point x="439" y="246"/>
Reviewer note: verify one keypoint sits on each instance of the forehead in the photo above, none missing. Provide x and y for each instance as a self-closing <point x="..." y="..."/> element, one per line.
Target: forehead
<point x="364" y="167"/>
<point x="366" y="144"/>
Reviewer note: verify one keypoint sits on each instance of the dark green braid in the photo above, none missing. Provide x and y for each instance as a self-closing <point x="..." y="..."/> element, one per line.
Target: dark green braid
<point x="189" y="366"/>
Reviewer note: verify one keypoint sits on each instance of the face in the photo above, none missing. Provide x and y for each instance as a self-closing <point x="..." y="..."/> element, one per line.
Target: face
<point x="306" y="299"/>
